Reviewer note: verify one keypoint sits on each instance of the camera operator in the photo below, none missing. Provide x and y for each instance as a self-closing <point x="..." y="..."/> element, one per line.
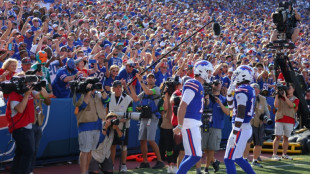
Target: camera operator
<point x="38" y="121"/>
<point x="101" y="157"/>
<point x="261" y="109"/>
<point x="91" y="111"/>
<point x="211" y="139"/>
<point x="120" y="102"/>
<point x="20" y="113"/>
<point x="287" y="105"/>
<point x="294" y="16"/>
<point x="148" y="126"/>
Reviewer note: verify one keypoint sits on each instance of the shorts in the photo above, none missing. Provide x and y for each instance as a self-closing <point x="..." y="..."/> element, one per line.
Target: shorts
<point x="88" y="140"/>
<point x="211" y="140"/>
<point x="283" y="129"/>
<point x="257" y="135"/>
<point x="117" y="140"/>
<point x="106" y="165"/>
<point x="148" y="132"/>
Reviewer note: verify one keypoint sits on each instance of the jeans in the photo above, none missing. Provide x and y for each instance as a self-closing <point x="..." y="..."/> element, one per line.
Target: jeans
<point x="37" y="131"/>
<point x="24" y="141"/>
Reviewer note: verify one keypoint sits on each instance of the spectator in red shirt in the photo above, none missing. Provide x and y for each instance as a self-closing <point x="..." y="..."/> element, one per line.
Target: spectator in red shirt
<point x="8" y="69"/>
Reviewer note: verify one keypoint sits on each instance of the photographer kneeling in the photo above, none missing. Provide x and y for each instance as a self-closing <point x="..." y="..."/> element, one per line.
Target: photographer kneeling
<point x="261" y="116"/>
<point x="20" y="113"/>
<point x="287" y="105"/>
<point x="89" y="121"/>
<point x="101" y="157"/>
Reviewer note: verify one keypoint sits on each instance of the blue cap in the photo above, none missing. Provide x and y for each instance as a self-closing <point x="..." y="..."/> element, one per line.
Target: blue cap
<point x="106" y="45"/>
<point x="157" y="54"/>
<point x="4" y="27"/>
<point x="29" y="31"/>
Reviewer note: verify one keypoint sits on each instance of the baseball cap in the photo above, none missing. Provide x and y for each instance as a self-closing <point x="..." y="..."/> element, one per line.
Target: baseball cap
<point x="255" y="85"/>
<point x="54" y="25"/>
<point x="26" y="61"/>
<point x="29" y="31"/>
<point x="116" y="83"/>
<point x="151" y="74"/>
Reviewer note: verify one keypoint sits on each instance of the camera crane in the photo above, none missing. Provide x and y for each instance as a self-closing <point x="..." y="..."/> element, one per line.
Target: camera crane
<point x="281" y="61"/>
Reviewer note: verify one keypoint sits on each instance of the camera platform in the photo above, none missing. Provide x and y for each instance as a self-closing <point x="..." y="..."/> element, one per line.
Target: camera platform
<point x="280" y="44"/>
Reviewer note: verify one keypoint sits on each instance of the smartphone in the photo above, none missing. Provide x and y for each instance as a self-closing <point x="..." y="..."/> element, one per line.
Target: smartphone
<point x="92" y="61"/>
<point x="10" y="47"/>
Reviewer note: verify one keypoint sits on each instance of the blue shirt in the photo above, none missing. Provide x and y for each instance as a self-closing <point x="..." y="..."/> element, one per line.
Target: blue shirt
<point x="218" y="114"/>
<point x="195" y="107"/>
<point x="100" y="74"/>
<point x="28" y="41"/>
<point x="128" y="77"/>
<point x="160" y="77"/>
<point x="249" y="108"/>
<point x="115" y="61"/>
<point x="61" y="89"/>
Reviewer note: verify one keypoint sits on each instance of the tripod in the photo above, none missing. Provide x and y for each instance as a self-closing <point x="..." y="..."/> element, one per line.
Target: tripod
<point x="282" y="61"/>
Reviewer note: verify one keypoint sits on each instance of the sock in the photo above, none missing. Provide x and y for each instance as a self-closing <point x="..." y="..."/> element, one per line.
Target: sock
<point x="187" y="163"/>
<point x="230" y="166"/>
<point x="246" y="167"/>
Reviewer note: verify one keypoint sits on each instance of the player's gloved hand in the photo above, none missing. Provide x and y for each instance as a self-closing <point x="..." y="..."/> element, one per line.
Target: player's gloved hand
<point x="232" y="141"/>
<point x="231" y="88"/>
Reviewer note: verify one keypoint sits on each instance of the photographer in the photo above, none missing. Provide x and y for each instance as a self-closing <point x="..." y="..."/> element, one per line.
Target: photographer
<point x="120" y="102"/>
<point x="287" y="105"/>
<point x="261" y="116"/>
<point x="148" y="126"/>
<point x="91" y="111"/>
<point x="20" y="113"/>
<point x="101" y="157"/>
<point x="293" y="17"/>
<point x="211" y="138"/>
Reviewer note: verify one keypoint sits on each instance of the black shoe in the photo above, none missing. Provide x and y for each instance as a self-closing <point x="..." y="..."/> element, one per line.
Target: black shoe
<point x="158" y="165"/>
<point x="144" y="165"/>
<point x="255" y="163"/>
<point x="259" y="159"/>
<point x="207" y="171"/>
<point x="216" y="165"/>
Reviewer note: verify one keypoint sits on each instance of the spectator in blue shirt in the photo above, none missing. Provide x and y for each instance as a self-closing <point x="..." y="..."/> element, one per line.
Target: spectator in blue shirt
<point x="60" y="85"/>
<point x="161" y="72"/>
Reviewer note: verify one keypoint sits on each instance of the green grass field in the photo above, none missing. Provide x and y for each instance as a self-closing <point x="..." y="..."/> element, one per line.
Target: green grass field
<point x="300" y="165"/>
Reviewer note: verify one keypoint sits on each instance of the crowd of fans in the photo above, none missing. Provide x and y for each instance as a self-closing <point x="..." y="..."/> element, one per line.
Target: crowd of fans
<point x="115" y="40"/>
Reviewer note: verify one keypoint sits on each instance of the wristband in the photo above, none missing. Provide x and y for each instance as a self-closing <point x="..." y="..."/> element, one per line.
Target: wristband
<point x="239" y="120"/>
<point x="179" y="127"/>
<point x="41" y="96"/>
<point x="294" y="105"/>
<point x="237" y="129"/>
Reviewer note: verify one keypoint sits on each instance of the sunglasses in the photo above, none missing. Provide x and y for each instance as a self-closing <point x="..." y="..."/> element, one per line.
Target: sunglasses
<point x="115" y="71"/>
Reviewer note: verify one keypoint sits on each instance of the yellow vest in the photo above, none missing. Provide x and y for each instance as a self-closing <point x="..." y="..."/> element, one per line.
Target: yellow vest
<point x="284" y="109"/>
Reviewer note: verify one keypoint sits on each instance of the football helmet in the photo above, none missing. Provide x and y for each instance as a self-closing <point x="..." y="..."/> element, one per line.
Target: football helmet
<point x="243" y="73"/>
<point x="204" y="69"/>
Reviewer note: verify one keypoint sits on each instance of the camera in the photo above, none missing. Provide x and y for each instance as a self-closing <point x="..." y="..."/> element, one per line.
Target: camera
<point x="206" y="118"/>
<point x="170" y="84"/>
<point x="79" y="86"/>
<point x="266" y="119"/>
<point x="207" y="87"/>
<point x="280" y="89"/>
<point x="146" y="111"/>
<point x="283" y="18"/>
<point x="18" y="84"/>
<point x="115" y="122"/>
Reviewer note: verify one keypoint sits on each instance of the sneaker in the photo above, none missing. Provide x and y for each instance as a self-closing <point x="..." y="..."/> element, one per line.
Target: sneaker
<point x="159" y="165"/>
<point x="259" y="159"/>
<point x="169" y="170"/>
<point x="207" y="171"/>
<point x="216" y="165"/>
<point x="276" y="158"/>
<point x="144" y="165"/>
<point x="287" y="157"/>
<point x="255" y="163"/>
<point x="123" y="168"/>
<point x="174" y="169"/>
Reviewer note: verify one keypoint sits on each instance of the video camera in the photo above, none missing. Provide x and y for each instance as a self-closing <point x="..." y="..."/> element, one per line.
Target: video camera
<point x="18" y="84"/>
<point x="264" y="117"/>
<point x="206" y="118"/>
<point x="280" y="89"/>
<point x="79" y="86"/>
<point x="132" y="115"/>
<point x="170" y="84"/>
<point x="283" y="18"/>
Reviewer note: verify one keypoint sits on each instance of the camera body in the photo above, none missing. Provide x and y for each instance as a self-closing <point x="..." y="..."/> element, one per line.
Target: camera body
<point x="206" y="118"/>
<point x="80" y="86"/>
<point x="18" y="84"/>
<point x="115" y="122"/>
<point x="170" y="84"/>
<point x="283" y="18"/>
<point x="146" y="111"/>
<point x="265" y="118"/>
<point x="280" y="89"/>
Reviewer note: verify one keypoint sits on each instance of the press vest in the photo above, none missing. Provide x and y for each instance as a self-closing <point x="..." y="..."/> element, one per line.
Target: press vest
<point x="259" y="109"/>
<point x="94" y="110"/>
<point x="284" y="109"/>
<point x="120" y="106"/>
